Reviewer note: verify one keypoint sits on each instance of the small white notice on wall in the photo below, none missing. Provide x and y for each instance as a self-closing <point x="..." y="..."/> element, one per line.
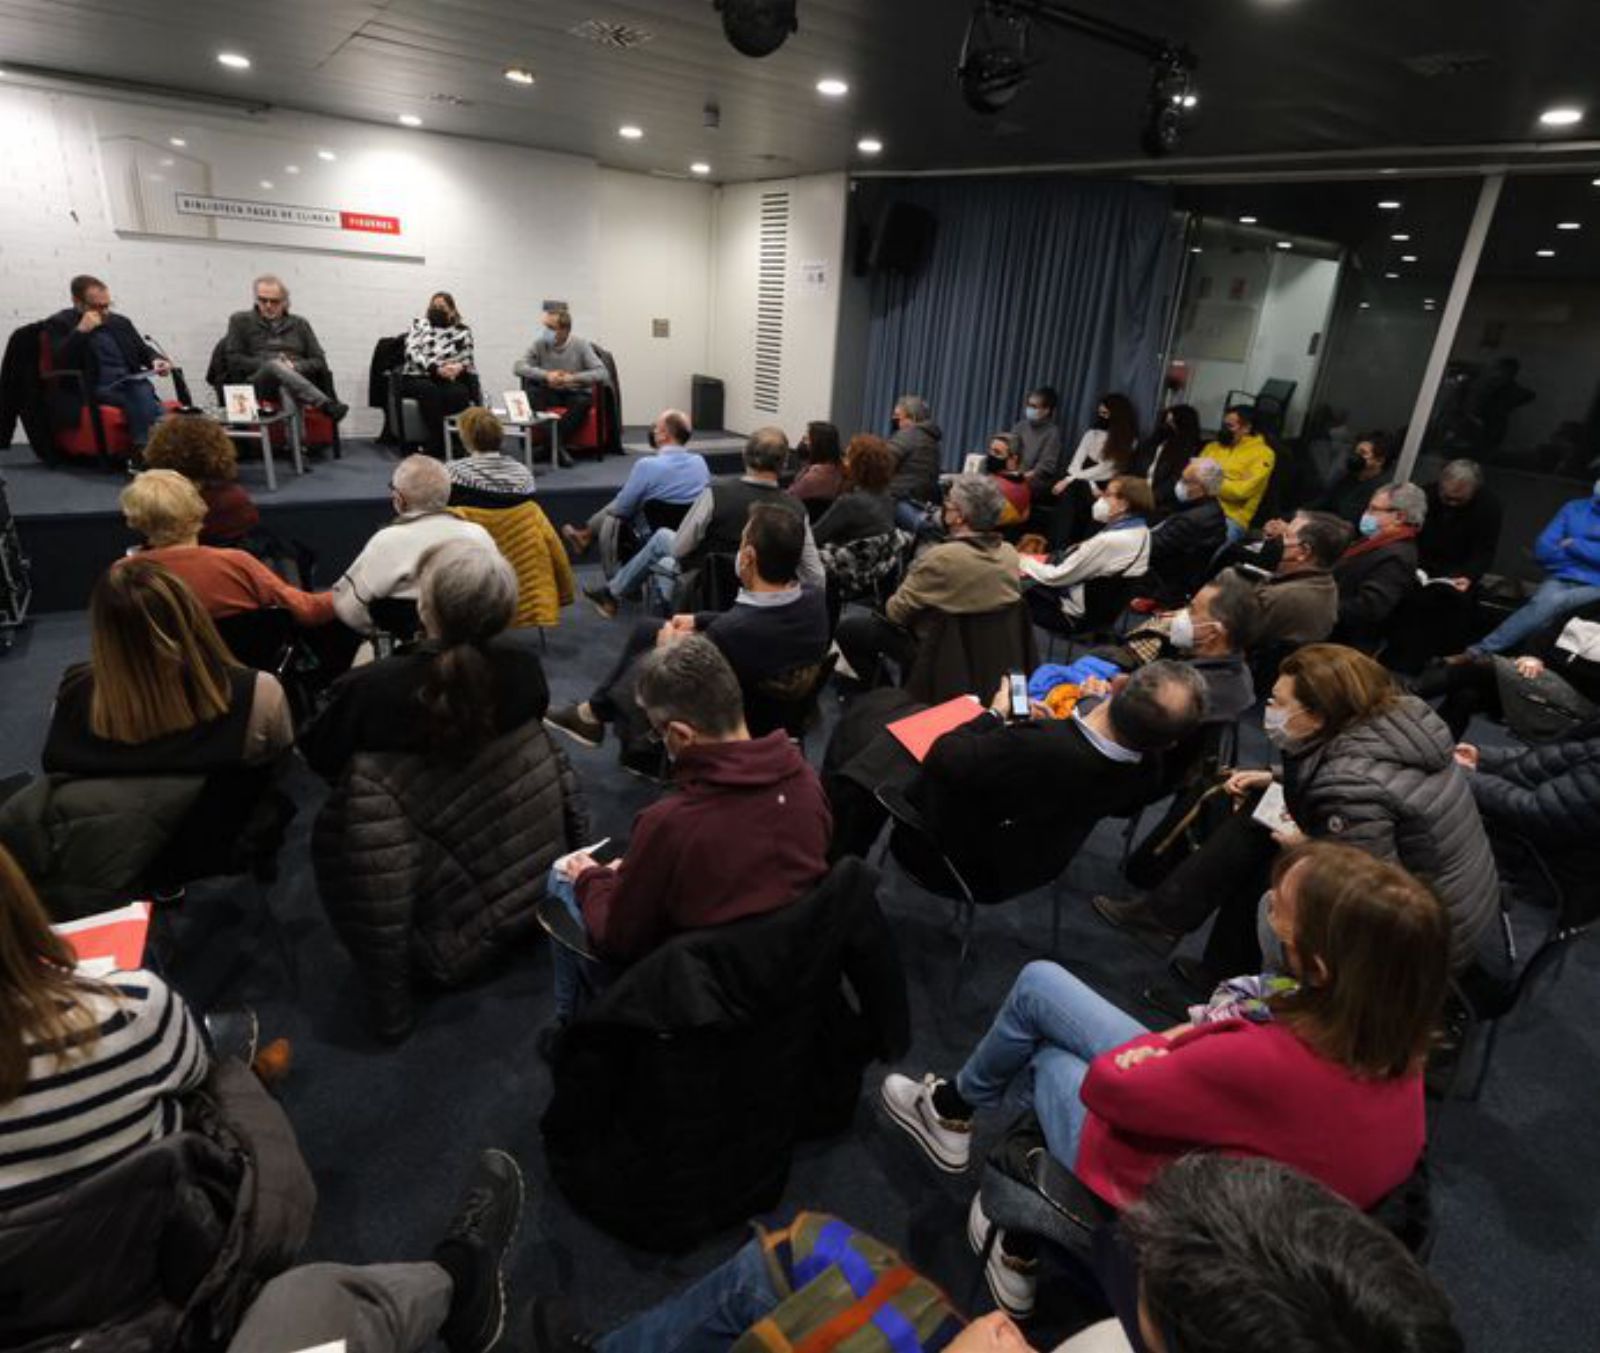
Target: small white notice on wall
<point x="813" y="277"/>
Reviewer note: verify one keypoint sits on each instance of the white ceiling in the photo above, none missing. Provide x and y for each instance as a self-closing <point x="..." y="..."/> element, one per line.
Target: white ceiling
<point x="1277" y="76"/>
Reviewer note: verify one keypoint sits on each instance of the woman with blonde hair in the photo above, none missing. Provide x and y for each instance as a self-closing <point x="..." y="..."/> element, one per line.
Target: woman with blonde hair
<point x="486" y="476"/>
<point x="89" y="1070"/>
<point x="1363" y="763"/>
<point x="166" y="509"/>
<point x="161" y="693"/>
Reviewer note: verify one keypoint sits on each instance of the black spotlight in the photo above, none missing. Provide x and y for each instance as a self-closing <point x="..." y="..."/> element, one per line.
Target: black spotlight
<point x="994" y="57"/>
<point x="757" y="27"/>
<point x="1171" y="103"/>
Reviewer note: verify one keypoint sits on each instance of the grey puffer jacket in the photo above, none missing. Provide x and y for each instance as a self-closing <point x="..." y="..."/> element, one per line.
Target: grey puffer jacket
<point x="434" y="868"/>
<point x="918" y="459"/>
<point x="1389" y="784"/>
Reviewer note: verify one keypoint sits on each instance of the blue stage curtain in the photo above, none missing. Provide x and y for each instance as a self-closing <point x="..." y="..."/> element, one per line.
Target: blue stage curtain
<point x="1030" y="281"/>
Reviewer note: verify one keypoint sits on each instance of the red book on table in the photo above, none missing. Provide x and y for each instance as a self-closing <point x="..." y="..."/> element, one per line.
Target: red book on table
<point x="918" y="732"/>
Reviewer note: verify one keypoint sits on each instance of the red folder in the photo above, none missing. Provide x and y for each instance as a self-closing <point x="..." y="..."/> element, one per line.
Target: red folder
<point x="918" y="732"/>
<point x="112" y="941"/>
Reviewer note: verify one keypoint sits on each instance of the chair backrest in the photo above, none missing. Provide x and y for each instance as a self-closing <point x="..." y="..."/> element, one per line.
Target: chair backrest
<point x="1104" y="600"/>
<point x="663" y="515"/>
<point x="789" y="700"/>
<point x="396" y="616"/>
<point x="958" y="654"/>
<point x="717" y="586"/>
<point x="263" y="638"/>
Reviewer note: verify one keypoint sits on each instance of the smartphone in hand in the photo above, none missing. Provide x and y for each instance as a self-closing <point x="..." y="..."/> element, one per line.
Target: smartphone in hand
<point x="1020" y="708"/>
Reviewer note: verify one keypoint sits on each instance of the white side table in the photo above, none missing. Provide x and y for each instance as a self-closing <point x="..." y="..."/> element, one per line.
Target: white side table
<point x="259" y="430"/>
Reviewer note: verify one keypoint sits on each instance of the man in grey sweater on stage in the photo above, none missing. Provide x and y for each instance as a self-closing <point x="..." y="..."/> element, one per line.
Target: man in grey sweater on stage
<point x="561" y="370"/>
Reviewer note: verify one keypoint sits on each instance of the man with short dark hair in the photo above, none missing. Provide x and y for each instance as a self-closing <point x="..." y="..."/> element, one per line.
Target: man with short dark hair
<point x="1299" y="603"/>
<point x="1039" y="439"/>
<point x="558" y="369"/>
<point x="745" y="833"/>
<point x="1246" y="459"/>
<point x="114" y="359"/>
<point x="775" y="625"/>
<point x="1010" y="800"/>
<point x="277" y="352"/>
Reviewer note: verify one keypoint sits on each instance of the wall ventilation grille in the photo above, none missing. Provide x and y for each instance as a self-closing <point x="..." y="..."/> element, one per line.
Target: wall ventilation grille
<point x="770" y="286"/>
<point x="619" y="36"/>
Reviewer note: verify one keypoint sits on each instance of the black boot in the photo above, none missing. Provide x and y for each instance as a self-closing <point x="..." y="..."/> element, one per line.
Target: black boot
<point x="473" y="1253"/>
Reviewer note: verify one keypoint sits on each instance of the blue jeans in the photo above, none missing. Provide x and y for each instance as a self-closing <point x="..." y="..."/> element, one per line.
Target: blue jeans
<point x="575" y="976"/>
<point x="708" y="1317"/>
<point x="1554" y="599"/>
<point x="1049" y="1029"/>
<point x="139" y="403"/>
<point x="910" y="516"/>
<point x="1236" y="533"/>
<point x="655" y="559"/>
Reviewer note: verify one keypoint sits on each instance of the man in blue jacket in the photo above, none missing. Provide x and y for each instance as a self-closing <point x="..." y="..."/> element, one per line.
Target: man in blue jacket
<point x="115" y="361"/>
<point x="1569" y="551"/>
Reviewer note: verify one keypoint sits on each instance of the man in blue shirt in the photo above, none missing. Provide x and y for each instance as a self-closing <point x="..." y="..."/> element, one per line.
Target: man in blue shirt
<point x="673" y="475"/>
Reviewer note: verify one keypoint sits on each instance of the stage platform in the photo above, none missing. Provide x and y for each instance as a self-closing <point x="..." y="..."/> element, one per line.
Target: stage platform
<point x="71" y="527"/>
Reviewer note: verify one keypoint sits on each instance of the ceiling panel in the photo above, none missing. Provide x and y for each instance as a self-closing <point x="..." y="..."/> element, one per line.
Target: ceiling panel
<point x="1277" y="76"/>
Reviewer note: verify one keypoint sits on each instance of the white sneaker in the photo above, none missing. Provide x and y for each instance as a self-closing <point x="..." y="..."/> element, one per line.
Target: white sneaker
<point x="1013" y="1283"/>
<point x="945" y="1141"/>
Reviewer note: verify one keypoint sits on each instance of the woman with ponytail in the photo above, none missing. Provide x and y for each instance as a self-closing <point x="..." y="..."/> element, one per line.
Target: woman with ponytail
<point x="464" y="685"/>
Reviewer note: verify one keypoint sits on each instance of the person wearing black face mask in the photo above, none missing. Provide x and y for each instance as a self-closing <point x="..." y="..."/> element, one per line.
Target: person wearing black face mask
<point x="1366" y="471"/>
<point x="438" y="372"/>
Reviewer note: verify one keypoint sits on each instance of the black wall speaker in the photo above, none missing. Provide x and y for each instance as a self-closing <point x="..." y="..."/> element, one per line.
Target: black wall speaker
<point x="903" y="238"/>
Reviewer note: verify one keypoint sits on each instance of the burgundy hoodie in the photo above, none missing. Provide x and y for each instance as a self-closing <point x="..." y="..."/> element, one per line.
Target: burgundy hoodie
<point x="745" y="832"/>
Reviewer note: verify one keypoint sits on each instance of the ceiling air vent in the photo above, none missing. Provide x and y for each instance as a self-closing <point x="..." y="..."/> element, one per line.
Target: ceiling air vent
<point x="1434" y="64"/>
<point x="618" y="36"/>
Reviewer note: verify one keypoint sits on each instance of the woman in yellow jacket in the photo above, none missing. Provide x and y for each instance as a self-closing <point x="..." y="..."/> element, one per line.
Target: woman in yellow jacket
<point x="1247" y="463"/>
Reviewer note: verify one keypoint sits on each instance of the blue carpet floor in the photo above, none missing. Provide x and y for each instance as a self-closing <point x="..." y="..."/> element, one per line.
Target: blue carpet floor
<point x="389" y="1132"/>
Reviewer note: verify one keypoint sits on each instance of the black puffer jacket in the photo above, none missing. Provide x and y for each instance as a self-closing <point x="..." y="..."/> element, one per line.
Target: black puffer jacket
<point x="1549" y="794"/>
<point x="434" y="868"/>
<point x="681" y="1091"/>
<point x="1389" y="784"/>
<point x="163" y="1251"/>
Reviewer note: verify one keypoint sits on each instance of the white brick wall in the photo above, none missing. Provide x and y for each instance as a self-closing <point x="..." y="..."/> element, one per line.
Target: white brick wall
<point x="503" y="227"/>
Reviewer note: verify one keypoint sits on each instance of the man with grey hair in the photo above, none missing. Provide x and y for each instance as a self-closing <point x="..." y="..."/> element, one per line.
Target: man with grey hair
<point x="1183" y="544"/>
<point x="389" y="563"/>
<point x="1379" y="571"/>
<point x="278" y="352"/>
<point x="918" y="458"/>
<point x="971" y="572"/>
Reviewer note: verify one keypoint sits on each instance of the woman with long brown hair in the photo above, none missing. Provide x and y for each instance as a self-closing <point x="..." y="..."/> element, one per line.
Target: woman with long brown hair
<point x="1107" y="449"/>
<point x="438" y="368"/>
<point x="89" y="1070"/>
<point x="1318" y="1067"/>
<point x="1363" y="763"/>
<point x="160" y="693"/>
<point x="864" y="507"/>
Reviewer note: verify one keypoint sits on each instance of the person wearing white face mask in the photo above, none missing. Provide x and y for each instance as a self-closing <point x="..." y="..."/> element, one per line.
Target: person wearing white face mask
<point x="1120" y="549"/>
<point x="1379" y="571"/>
<point x="1363" y="763"/>
<point x="559" y="370"/>
<point x="1184" y="543"/>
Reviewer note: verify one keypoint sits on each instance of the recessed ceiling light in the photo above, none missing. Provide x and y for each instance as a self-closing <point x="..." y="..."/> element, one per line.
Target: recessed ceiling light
<point x="1191" y="100"/>
<point x="630" y="132"/>
<point x="1389" y="204"/>
<point x="1195" y="250"/>
<point x="1247" y="220"/>
<point x="1399" y="239"/>
<point x="1366" y="305"/>
<point x="518" y="76"/>
<point x="1430" y="301"/>
<point x="1545" y="253"/>
<point x="1285" y="244"/>
<point x="291" y="169"/>
<point x="167" y="162"/>
<point x="1561" y="117"/>
<point x="1408" y="258"/>
<point x="266" y="183"/>
<point x="177" y="141"/>
<point x="326" y="155"/>
<point x="869" y="145"/>
<point x="833" y="87"/>
<point x="1388" y="171"/>
<point x="1594" y="183"/>
<point x="233" y="60"/>
<point x="699" y="167"/>
<point x="1569" y="225"/>
<point x="1391" y="275"/>
<point x="410" y="120"/>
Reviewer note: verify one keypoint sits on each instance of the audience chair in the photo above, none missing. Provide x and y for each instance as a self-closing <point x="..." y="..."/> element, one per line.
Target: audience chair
<point x="789" y="701"/>
<point x="1270" y="402"/>
<point x="682" y="1088"/>
<point x="1104" y="601"/>
<point x="957" y="654"/>
<point x="396" y="625"/>
<point x="1575" y="903"/>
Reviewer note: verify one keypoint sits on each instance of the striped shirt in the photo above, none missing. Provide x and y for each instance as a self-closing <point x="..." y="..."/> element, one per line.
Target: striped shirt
<point x="428" y="347"/>
<point x="75" y="1119"/>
